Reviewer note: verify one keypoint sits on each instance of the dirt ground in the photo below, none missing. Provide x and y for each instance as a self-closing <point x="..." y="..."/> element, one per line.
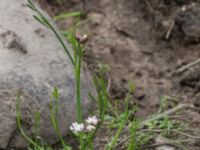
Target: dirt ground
<point x="147" y="42"/>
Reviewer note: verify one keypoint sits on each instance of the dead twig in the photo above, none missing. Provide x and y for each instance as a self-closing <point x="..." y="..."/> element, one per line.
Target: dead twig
<point x="167" y="113"/>
<point x="108" y="87"/>
<point x="149" y="6"/>
<point x="172" y="23"/>
<point x="186" y="67"/>
<point x="155" y="145"/>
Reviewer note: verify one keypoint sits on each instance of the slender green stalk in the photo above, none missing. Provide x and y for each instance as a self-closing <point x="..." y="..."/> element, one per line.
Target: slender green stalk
<point x="122" y="124"/>
<point x="133" y="143"/>
<point x="62" y="43"/>
<point x="53" y="113"/>
<point x="18" y="114"/>
<point x="42" y="19"/>
<point x="67" y="15"/>
<point x="78" y="53"/>
<point x="116" y="137"/>
<point x="91" y="144"/>
<point x="78" y="92"/>
<point x="56" y="128"/>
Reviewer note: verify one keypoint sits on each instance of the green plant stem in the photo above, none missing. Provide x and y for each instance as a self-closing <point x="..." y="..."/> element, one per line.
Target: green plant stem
<point x="62" y="43"/>
<point x="54" y="119"/>
<point x="23" y="133"/>
<point x="67" y="15"/>
<point x="55" y="125"/>
<point x="18" y="114"/>
<point x="46" y="23"/>
<point x="91" y="145"/>
<point x="110" y="146"/>
<point x="78" y="94"/>
<point x="132" y="144"/>
<point x="78" y="58"/>
<point x="122" y="124"/>
<point x="78" y="84"/>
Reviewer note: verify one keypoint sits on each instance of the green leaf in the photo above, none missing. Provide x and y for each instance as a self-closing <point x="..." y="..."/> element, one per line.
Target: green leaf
<point x="31" y="7"/>
<point x="41" y="21"/>
<point x="67" y="15"/>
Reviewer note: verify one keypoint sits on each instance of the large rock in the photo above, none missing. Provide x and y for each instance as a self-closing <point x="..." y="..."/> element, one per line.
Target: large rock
<point x="33" y="62"/>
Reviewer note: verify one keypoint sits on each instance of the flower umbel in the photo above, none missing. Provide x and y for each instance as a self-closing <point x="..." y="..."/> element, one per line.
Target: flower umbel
<point x="92" y="120"/>
<point x="76" y="127"/>
<point x="90" y="125"/>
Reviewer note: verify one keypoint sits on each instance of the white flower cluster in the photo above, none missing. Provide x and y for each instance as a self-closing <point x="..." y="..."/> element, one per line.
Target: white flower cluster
<point x="90" y="125"/>
<point x="76" y="127"/>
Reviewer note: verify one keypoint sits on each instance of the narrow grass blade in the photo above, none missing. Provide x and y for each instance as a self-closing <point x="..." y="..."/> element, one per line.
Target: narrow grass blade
<point x="67" y="15"/>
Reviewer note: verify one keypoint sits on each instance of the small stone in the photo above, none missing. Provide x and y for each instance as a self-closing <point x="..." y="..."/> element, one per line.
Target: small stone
<point x="161" y="140"/>
<point x="188" y="21"/>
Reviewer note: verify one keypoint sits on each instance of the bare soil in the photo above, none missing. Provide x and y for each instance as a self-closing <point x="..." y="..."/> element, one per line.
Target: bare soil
<point x="146" y="42"/>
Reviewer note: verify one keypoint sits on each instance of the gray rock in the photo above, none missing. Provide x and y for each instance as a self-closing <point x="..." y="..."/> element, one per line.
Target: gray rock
<point x="33" y="62"/>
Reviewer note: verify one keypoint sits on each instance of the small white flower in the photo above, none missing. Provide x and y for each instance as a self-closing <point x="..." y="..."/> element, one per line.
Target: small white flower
<point x="76" y="127"/>
<point x="92" y="120"/>
<point x="85" y="36"/>
<point x="90" y="127"/>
